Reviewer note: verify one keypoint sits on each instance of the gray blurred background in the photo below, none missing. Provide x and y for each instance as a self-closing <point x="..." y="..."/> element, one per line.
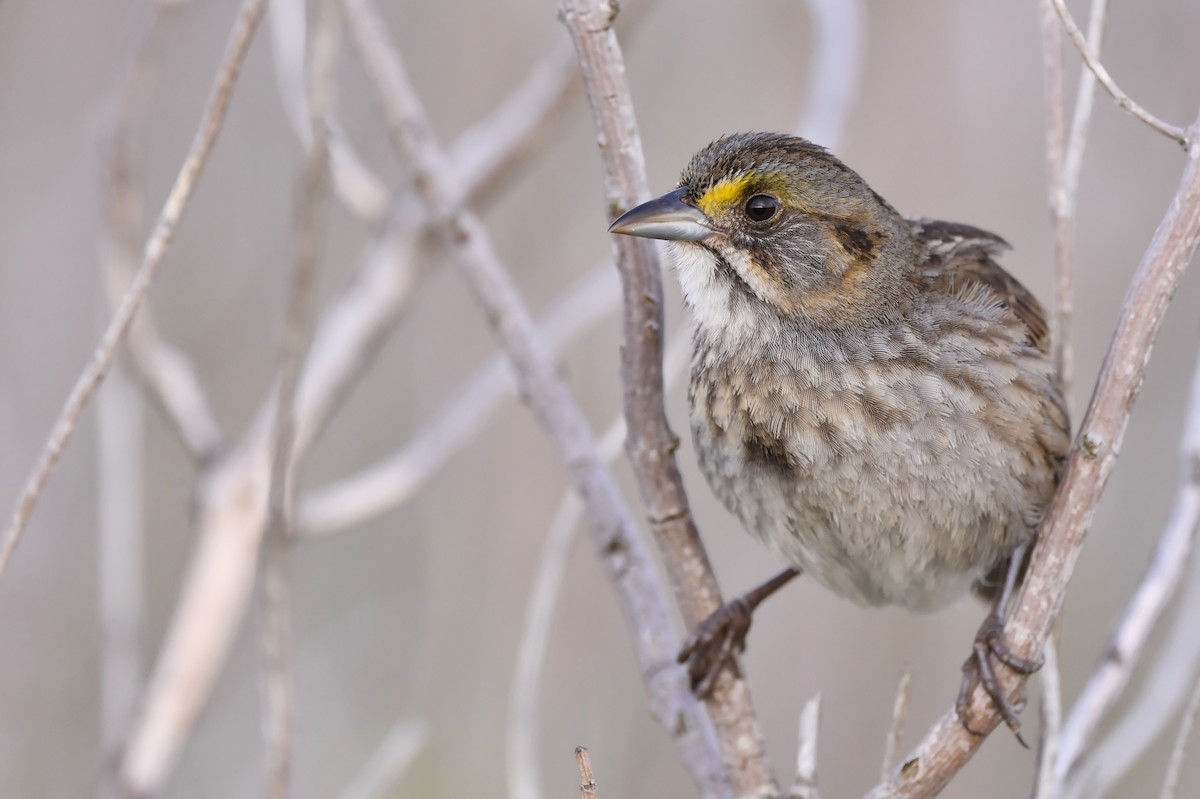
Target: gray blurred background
<point x="416" y="614"/>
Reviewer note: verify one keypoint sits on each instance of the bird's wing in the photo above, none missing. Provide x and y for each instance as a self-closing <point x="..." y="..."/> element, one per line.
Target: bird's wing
<point x="961" y="256"/>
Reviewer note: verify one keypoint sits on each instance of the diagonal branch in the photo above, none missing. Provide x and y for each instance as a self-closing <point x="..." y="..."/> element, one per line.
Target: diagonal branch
<point x="278" y="705"/>
<point x="231" y="494"/>
<point x="947" y="746"/>
<point x="1157" y="588"/>
<point x="651" y="444"/>
<point x="624" y="551"/>
<point x="1123" y="100"/>
<point x="156" y="249"/>
<point x="394" y="480"/>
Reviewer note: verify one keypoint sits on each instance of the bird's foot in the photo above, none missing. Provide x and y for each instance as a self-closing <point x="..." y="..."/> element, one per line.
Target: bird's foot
<point x="717" y="640"/>
<point x="979" y="669"/>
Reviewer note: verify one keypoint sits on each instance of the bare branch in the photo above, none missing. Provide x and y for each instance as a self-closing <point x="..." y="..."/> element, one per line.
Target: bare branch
<point x="1046" y="785"/>
<point x="947" y="746"/>
<point x="1056" y="136"/>
<point x="891" y="746"/>
<point x="396" y="751"/>
<point x="120" y="411"/>
<point x="835" y="70"/>
<point x="156" y="248"/>
<point x="651" y="444"/>
<point x="1085" y="96"/>
<point x="805" y="786"/>
<point x="279" y="709"/>
<point x="1123" y="100"/>
<point x="625" y="552"/>
<point x="520" y="739"/>
<point x="1063" y="163"/>
<point x="1170" y="784"/>
<point x="587" y="784"/>
<point x="232" y="502"/>
<point x="359" y="189"/>
<point x="1154" y="593"/>
<point x="119" y="551"/>
<point x="163" y="371"/>
<point x="1158" y="587"/>
<point x="396" y="479"/>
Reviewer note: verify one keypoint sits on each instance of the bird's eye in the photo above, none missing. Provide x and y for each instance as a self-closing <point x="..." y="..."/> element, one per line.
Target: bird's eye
<point x="761" y="207"/>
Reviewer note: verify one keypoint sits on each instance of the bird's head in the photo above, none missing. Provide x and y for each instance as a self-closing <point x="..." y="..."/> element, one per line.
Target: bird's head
<point x="778" y="220"/>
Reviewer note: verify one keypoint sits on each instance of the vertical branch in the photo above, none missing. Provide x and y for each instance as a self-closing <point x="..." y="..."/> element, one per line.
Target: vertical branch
<point x="1056" y="138"/>
<point x="651" y="444"/>
<point x="1045" y="785"/>
<point x="1064" y="158"/>
<point x="520" y="739"/>
<point x="1170" y="784"/>
<point x="279" y="709"/>
<point x="119" y="556"/>
<point x="156" y="248"/>
<point x="616" y="536"/>
<point x="805" y="785"/>
<point x="891" y="747"/>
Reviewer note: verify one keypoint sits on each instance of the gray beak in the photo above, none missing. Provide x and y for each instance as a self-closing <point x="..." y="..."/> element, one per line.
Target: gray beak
<point x="668" y="217"/>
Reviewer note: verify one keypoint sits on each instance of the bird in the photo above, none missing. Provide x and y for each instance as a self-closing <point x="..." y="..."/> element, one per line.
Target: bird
<point x="871" y="395"/>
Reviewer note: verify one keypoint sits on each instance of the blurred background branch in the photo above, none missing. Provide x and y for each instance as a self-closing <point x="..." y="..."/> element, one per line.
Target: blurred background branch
<point x="425" y="625"/>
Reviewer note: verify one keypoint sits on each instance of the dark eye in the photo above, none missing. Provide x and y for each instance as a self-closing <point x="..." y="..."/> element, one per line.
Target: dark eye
<point x="761" y="207"/>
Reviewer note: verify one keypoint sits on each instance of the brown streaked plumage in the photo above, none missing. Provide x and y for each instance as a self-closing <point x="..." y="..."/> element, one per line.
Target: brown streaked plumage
<point x="870" y="395"/>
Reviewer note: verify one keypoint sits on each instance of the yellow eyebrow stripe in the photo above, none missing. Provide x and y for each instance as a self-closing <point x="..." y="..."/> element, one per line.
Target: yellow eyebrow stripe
<point x="724" y="194"/>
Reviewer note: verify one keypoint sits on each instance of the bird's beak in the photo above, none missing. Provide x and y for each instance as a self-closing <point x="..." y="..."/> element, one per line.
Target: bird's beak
<point x="668" y="217"/>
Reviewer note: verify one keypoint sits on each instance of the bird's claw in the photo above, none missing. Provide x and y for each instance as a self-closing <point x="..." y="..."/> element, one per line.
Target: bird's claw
<point x="979" y="670"/>
<point x="717" y="640"/>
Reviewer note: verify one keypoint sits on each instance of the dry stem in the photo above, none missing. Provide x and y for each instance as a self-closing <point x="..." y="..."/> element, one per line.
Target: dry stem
<point x="1154" y="593"/>
<point x="1170" y="784"/>
<point x="156" y="248"/>
<point x="1123" y="100"/>
<point x="651" y="444"/>
<point x="891" y="746"/>
<point x="587" y="783"/>
<point x="615" y="534"/>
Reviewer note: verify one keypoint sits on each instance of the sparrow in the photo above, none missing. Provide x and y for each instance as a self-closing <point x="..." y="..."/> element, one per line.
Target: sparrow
<point x="871" y="395"/>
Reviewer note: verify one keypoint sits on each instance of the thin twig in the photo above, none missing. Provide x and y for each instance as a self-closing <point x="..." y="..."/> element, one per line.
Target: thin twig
<point x="1085" y="96"/>
<point x="279" y="709"/>
<point x="1151" y="599"/>
<point x="1046" y="786"/>
<point x="1064" y="158"/>
<point x="521" y="728"/>
<point x="947" y="745"/>
<point x="391" y="758"/>
<point x="805" y="786"/>
<point x="651" y="444"/>
<point x="624" y="549"/>
<point x="231" y="498"/>
<point x="156" y="247"/>
<point x="165" y="373"/>
<point x="1056" y="140"/>
<point x="891" y="746"/>
<point x="393" y="481"/>
<point x="362" y="191"/>
<point x="120" y="411"/>
<point x="1123" y="100"/>
<point x="1157" y="588"/>
<point x="587" y="783"/>
<point x="1170" y="784"/>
